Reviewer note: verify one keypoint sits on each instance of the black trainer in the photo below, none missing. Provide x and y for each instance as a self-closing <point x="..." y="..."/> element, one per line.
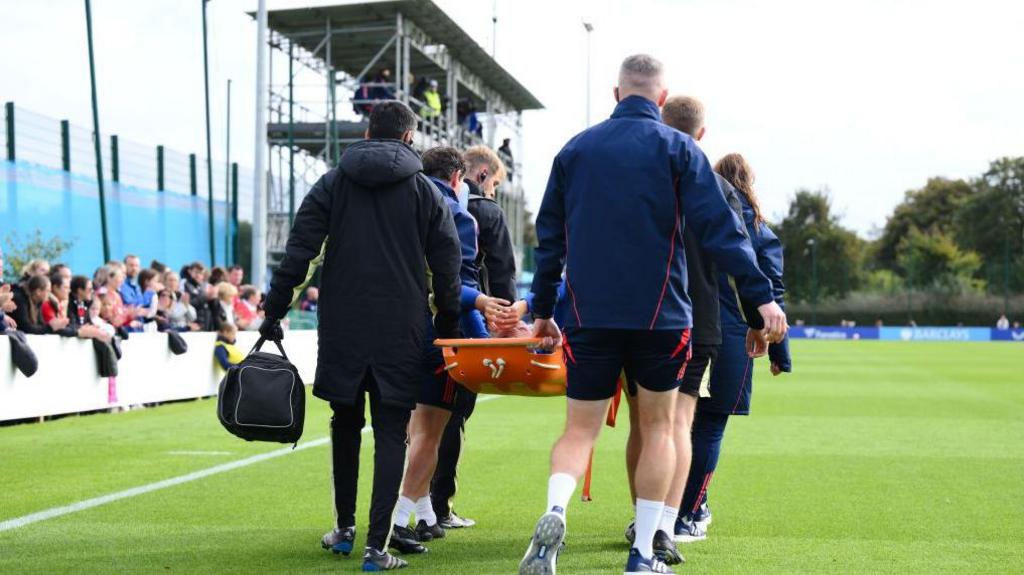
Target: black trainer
<point x="665" y="549"/>
<point x="404" y="540"/>
<point x="374" y="560"/>
<point x="426" y="532"/>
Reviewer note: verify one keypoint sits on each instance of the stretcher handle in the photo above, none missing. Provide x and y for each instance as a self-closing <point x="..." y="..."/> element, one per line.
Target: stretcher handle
<point x="493" y="342"/>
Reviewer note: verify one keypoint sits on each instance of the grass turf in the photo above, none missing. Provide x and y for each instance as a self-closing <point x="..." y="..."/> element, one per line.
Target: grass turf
<point x="872" y="457"/>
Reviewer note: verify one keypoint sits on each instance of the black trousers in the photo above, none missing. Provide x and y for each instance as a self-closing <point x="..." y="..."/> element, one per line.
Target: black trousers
<point x="390" y="434"/>
<point x="444" y="484"/>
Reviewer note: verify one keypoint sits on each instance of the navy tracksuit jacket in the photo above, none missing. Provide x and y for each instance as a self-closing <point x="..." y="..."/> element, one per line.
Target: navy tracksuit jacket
<point x="613" y="214"/>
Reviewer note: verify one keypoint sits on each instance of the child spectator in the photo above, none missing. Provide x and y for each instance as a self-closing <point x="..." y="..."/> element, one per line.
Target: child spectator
<point x="225" y="352"/>
<point x="80" y="314"/>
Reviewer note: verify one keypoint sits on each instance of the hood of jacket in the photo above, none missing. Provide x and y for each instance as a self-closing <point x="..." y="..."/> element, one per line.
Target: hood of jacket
<point x="373" y="163"/>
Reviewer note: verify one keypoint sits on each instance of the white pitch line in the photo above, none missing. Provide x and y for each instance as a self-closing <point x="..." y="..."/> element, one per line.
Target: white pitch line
<point x="53" y="512"/>
<point x="199" y="452"/>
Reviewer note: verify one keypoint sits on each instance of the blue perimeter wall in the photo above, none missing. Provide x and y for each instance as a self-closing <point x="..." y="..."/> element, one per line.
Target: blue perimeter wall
<point x="926" y="333"/>
<point x="167" y="226"/>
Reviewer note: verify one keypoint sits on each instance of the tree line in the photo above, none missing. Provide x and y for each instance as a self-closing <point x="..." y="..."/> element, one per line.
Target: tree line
<point x="948" y="238"/>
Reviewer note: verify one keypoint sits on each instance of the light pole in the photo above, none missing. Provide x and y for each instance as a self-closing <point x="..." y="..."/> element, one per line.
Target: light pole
<point x="812" y="246"/>
<point x="96" y="135"/>
<point x="209" y="146"/>
<point x="589" y="27"/>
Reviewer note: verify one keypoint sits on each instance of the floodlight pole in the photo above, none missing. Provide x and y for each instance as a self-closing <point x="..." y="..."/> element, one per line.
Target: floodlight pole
<point x="259" y="234"/>
<point x="227" y="182"/>
<point x="589" y="28"/>
<point x="96" y="135"/>
<point x="209" y="147"/>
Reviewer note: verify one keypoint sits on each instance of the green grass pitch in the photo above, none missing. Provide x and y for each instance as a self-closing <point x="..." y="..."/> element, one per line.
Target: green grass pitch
<point x="873" y="457"/>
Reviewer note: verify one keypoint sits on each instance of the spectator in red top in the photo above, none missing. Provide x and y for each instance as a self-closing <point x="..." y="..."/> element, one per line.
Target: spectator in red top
<point x="56" y="305"/>
<point x="247" y="308"/>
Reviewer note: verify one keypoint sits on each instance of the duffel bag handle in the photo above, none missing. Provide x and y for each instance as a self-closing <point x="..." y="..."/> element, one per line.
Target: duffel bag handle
<point x="261" y="341"/>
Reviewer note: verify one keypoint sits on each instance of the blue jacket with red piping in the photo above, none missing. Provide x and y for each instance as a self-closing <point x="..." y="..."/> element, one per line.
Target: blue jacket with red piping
<point x="470" y="320"/>
<point x="618" y="198"/>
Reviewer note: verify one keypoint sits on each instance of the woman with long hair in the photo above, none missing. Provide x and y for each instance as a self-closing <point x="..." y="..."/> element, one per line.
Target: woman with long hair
<point x="729" y="390"/>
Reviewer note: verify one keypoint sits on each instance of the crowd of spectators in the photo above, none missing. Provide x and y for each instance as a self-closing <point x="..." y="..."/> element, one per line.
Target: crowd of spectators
<point x="122" y="297"/>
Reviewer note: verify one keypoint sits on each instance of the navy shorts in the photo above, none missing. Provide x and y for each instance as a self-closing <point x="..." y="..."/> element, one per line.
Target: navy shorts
<point x="594" y="358"/>
<point x="437" y="389"/>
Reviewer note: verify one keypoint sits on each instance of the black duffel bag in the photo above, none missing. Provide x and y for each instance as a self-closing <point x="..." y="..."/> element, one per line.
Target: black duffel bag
<point x="263" y="398"/>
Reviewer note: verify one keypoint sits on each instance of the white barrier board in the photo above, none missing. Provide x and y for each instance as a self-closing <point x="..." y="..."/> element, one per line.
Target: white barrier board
<point x="67" y="380"/>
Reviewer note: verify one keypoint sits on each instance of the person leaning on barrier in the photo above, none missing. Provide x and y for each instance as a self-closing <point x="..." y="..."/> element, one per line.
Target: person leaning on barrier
<point x="376" y="223"/>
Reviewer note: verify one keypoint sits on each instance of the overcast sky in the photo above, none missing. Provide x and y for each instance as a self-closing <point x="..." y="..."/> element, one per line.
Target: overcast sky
<point x="869" y="98"/>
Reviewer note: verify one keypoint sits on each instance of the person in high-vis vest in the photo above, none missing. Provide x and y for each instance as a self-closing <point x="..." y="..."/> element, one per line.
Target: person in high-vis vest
<point x="225" y="352"/>
<point x="432" y="100"/>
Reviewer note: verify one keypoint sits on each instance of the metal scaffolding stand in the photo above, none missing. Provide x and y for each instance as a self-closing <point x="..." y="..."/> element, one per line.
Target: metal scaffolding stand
<point x="343" y="49"/>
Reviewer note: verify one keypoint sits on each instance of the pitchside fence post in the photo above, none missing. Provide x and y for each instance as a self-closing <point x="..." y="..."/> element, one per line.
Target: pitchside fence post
<point x="9" y="116"/>
<point x="159" y="168"/>
<point x="65" y="145"/>
<point x="192" y="174"/>
<point x="115" y="164"/>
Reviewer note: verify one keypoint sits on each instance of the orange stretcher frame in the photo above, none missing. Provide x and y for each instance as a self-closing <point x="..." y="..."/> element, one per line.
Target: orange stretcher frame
<point x="507" y="366"/>
<point x="512" y="366"/>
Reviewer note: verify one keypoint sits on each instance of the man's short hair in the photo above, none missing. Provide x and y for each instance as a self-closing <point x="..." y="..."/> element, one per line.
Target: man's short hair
<point x="130" y="256"/>
<point x="684" y="113"/>
<point x="390" y="119"/>
<point x="482" y="156"/>
<point x="443" y="161"/>
<point x="79" y="283"/>
<point x="640" y="73"/>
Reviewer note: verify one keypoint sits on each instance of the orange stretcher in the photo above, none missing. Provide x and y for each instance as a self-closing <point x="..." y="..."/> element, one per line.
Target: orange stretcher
<point x="508" y="366"/>
<point x="513" y="366"/>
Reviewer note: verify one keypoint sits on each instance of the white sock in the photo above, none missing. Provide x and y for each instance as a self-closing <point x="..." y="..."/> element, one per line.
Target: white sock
<point x="560" y="489"/>
<point x="406" y="508"/>
<point x="648" y="517"/>
<point x="425" y="511"/>
<point x="668" y="520"/>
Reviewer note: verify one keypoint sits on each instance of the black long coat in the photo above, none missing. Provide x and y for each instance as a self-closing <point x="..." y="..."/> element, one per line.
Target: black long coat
<point x="376" y="222"/>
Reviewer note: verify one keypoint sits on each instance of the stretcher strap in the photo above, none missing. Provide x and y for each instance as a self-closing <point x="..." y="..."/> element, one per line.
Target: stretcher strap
<point x="587" y="478"/>
<point x="613" y="409"/>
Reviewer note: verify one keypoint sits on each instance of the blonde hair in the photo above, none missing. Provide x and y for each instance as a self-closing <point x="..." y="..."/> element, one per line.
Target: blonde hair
<point x="683" y="113"/>
<point x="735" y="169"/>
<point x="226" y="291"/>
<point x="478" y="156"/>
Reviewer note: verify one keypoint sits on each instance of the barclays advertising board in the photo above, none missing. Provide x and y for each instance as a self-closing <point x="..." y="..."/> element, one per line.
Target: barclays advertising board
<point x="825" y="332"/>
<point x="936" y="333"/>
<point x="1008" y="335"/>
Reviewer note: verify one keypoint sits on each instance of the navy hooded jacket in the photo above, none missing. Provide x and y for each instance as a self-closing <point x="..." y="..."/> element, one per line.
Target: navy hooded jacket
<point x="613" y="214"/>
